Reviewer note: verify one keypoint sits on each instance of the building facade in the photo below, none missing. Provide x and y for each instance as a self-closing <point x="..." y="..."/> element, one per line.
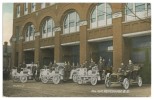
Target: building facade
<point x="74" y="32"/>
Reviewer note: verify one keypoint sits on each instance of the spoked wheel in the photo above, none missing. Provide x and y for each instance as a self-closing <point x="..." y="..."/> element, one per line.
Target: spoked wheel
<point x="126" y="83"/>
<point x="107" y="82"/>
<point x="75" y="78"/>
<point x="44" y="79"/>
<point x="56" y="79"/>
<point x="139" y="81"/>
<point x="93" y="80"/>
<point x="23" y="79"/>
<point x="79" y="80"/>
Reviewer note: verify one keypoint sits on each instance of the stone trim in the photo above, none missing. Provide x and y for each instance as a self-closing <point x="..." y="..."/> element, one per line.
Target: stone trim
<point x="57" y="29"/>
<point x="117" y="15"/>
<point x="83" y="22"/>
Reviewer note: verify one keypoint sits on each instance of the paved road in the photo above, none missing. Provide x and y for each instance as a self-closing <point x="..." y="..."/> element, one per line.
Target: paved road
<point x="69" y="89"/>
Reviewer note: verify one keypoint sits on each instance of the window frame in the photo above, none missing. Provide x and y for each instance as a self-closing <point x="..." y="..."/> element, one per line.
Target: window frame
<point x="68" y="21"/>
<point x="45" y="24"/>
<point x="102" y="22"/>
<point x="29" y="32"/>
<point x="141" y="14"/>
<point x="33" y="7"/>
<point x="18" y="11"/>
<point x="25" y="8"/>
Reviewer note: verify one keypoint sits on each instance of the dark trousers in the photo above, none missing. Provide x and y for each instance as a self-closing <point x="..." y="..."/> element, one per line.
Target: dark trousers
<point x="100" y="72"/>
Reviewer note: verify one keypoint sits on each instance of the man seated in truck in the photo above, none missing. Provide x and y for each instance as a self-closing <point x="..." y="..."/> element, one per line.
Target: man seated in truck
<point x="130" y="69"/>
<point x="85" y="64"/>
<point x="50" y="66"/>
<point x="54" y="65"/>
<point x="122" y="68"/>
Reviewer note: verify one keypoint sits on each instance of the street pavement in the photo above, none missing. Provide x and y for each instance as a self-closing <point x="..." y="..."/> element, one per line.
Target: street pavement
<point x="70" y="89"/>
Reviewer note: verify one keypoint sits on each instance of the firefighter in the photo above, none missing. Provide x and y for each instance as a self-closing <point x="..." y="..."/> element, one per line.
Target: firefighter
<point x="65" y="71"/>
<point x="130" y="69"/>
<point x="50" y="66"/>
<point x="19" y="68"/>
<point x="85" y="64"/>
<point x="78" y="65"/>
<point x="92" y="64"/>
<point x="54" y="65"/>
<point x="100" y="66"/>
<point x="109" y="66"/>
<point x="73" y="67"/>
<point x="33" y="70"/>
<point x="38" y="69"/>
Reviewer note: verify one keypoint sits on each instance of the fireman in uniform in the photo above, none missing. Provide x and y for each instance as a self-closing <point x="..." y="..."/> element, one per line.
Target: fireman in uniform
<point x="33" y="69"/>
<point x="130" y="69"/>
<point x="23" y="65"/>
<point x="66" y="68"/>
<point x="101" y="66"/>
<point x="50" y="66"/>
<point x="54" y="65"/>
<point x="92" y="64"/>
<point x="37" y="74"/>
<point x="85" y="64"/>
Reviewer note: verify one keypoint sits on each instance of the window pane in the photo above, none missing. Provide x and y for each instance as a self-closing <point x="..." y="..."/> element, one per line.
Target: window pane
<point x="101" y="17"/>
<point x="72" y="16"/>
<point x="149" y="6"/>
<point x="26" y="6"/>
<point x="77" y="20"/>
<point x="129" y="8"/>
<point x="93" y="16"/>
<point x="149" y="9"/>
<point x="66" y="23"/>
<point x="108" y="11"/>
<point x="139" y="7"/>
<point x="71" y="24"/>
<point x="101" y="11"/>
<point x="45" y="28"/>
<point x="109" y="16"/>
<point x="31" y="30"/>
<point x="72" y="19"/>
<point x="18" y="11"/>
<point x="27" y="33"/>
<point x="49" y="25"/>
<point x="33" y="7"/>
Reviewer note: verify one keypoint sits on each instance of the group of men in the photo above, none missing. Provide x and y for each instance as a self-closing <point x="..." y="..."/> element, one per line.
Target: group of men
<point x="102" y="65"/>
<point x="34" y="68"/>
<point x="128" y="69"/>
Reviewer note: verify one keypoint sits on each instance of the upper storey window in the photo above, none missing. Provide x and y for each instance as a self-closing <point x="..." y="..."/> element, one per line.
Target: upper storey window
<point x="33" y="6"/>
<point x="42" y="5"/>
<point x="134" y="11"/>
<point x="29" y="32"/>
<point x="71" y="23"/>
<point x="47" y="28"/>
<point x="25" y="8"/>
<point x="101" y="15"/>
<point x="18" y="11"/>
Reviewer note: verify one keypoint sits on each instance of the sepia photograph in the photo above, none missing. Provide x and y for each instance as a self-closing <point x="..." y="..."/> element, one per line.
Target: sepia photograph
<point x="76" y="49"/>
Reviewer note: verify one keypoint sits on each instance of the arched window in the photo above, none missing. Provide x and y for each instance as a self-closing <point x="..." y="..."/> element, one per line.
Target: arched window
<point x="47" y="28"/>
<point x="71" y="23"/>
<point x="101" y="15"/>
<point x="29" y="32"/>
<point x="134" y="11"/>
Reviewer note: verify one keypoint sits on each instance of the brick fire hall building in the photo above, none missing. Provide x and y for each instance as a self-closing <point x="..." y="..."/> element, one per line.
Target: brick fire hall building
<point x="76" y="32"/>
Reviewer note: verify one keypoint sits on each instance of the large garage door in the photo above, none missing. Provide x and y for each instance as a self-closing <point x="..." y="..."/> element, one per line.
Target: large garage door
<point x="141" y="53"/>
